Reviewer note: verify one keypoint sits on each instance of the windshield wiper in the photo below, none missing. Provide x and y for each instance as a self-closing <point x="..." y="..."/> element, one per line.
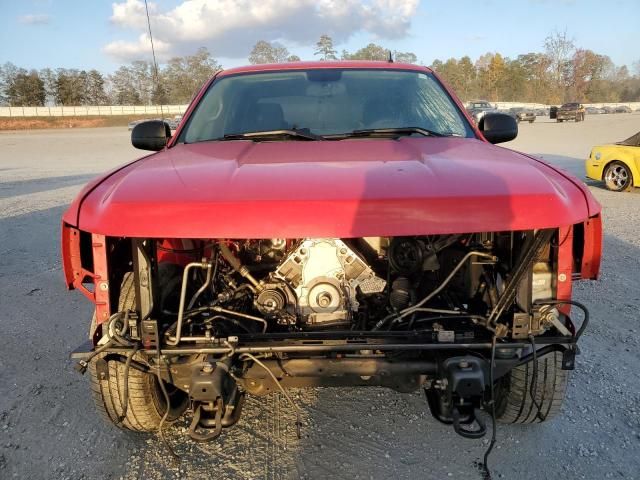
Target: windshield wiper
<point x="299" y="133"/>
<point x="372" y="132"/>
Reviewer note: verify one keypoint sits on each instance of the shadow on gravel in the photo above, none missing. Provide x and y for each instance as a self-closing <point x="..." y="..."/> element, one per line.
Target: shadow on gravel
<point x="377" y="433"/>
<point x="22" y="187"/>
<point x="49" y="427"/>
<point x="573" y="165"/>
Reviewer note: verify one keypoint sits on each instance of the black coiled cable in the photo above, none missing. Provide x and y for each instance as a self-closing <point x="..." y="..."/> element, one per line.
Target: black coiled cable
<point x="585" y="311"/>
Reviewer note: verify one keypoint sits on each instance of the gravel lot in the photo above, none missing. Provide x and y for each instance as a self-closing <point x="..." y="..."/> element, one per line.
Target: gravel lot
<point x="48" y="428"/>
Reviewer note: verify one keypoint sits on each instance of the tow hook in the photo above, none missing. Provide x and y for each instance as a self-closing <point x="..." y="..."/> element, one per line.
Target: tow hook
<point x="465" y="432"/>
<point x="211" y="433"/>
<point x="216" y="401"/>
<point x="455" y="398"/>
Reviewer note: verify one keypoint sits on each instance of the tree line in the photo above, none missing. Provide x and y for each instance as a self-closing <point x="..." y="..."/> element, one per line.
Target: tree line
<point x="562" y="72"/>
<point x="132" y="84"/>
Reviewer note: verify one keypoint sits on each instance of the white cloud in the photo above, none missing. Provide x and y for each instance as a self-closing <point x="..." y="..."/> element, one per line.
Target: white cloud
<point x="230" y="28"/>
<point x="35" y="19"/>
<point x="140" y="49"/>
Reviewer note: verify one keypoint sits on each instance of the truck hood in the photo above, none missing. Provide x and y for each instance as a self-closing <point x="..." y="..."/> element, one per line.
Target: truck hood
<point x="347" y="188"/>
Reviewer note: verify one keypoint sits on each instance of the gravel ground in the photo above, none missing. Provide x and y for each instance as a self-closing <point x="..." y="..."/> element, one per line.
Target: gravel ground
<point x="48" y="428"/>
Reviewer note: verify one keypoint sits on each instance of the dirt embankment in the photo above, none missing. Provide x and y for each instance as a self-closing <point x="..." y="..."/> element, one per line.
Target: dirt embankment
<point x="31" y="123"/>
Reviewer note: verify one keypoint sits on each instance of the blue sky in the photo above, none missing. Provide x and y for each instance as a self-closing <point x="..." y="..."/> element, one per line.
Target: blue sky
<point x="103" y="34"/>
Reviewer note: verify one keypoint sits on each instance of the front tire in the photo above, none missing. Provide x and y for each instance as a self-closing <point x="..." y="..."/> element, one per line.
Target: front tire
<point x="146" y="402"/>
<point x="513" y="392"/>
<point x="618" y="177"/>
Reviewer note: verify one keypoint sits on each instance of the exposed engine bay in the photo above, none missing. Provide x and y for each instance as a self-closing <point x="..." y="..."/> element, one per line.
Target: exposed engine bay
<point x="216" y="319"/>
<point x="378" y="283"/>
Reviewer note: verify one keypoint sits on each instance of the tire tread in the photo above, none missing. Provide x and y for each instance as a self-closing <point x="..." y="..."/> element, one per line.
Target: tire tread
<point x="517" y="406"/>
<point x="143" y="413"/>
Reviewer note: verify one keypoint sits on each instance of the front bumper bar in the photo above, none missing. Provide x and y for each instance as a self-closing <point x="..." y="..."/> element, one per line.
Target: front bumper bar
<point x="336" y="342"/>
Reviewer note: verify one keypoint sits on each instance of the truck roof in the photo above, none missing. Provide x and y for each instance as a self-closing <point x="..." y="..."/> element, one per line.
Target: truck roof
<point x="355" y="64"/>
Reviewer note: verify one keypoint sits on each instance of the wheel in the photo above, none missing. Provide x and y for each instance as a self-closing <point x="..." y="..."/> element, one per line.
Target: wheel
<point x="558" y="120"/>
<point x="531" y="121"/>
<point x="147" y="404"/>
<point x="617" y="177"/>
<point x="513" y="391"/>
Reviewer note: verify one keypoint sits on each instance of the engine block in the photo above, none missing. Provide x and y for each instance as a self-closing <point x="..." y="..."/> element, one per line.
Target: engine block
<point x="325" y="275"/>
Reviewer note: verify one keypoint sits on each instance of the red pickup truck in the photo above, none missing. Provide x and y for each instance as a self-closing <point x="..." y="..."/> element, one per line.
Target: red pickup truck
<point x="330" y="224"/>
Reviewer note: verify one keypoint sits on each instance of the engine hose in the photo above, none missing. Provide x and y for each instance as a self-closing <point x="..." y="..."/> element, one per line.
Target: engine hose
<point x="485" y="458"/>
<point x="491" y="289"/>
<point x="478" y="319"/>
<point x="237" y="323"/>
<point x="124" y="401"/>
<point x="408" y="311"/>
<point x="183" y="293"/>
<point x="165" y="416"/>
<point x="236" y="264"/>
<point x="210" y="275"/>
<point x="217" y="309"/>
<point x="82" y="365"/>
<point x="534" y="380"/>
<point x="171" y="331"/>
<point x="119" y="335"/>
<point x="412" y="320"/>
<point x="444" y="283"/>
<point x="585" y="311"/>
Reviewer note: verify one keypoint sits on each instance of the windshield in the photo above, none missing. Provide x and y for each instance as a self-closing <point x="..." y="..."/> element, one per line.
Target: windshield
<point x="324" y="102"/>
<point x="632" y="141"/>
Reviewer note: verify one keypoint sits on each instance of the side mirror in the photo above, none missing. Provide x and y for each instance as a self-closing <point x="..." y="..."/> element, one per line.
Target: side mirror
<point x="498" y="127"/>
<point x="151" y="135"/>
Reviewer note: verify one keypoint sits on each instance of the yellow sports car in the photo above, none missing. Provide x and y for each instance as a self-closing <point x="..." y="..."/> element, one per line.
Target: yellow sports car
<point x="617" y="165"/>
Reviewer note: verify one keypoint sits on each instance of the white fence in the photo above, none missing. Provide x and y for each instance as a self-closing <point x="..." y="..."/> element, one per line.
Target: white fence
<point x="179" y="109"/>
<point x="91" y="110"/>
<point x="506" y="105"/>
<point x="632" y="105"/>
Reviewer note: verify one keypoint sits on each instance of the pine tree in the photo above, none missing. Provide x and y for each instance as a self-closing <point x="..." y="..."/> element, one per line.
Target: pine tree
<point x="324" y="48"/>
